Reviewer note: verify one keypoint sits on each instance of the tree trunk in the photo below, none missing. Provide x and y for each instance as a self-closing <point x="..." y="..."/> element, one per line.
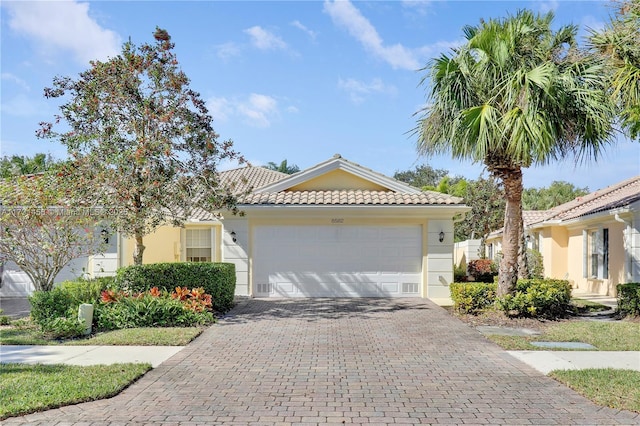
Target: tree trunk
<point x="139" y="250"/>
<point x="523" y="266"/>
<point x="511" y="235"/>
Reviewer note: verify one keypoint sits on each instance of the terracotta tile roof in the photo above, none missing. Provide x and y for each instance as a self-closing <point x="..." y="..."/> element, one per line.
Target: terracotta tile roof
<point x="349" y="197"/>
<point x="612" y="197"/>
<point x="250" y="178"/>
<point x="530" y="217"/>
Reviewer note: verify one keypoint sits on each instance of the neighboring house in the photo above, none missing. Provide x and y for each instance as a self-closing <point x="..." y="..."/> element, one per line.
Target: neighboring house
<point x="593" y="241"/>
<point x="336" y="229"/>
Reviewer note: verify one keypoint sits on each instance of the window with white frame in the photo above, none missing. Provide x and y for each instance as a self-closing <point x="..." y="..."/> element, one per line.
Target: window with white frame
<point x="199" y="245"/>
<point x="597" y="253"/>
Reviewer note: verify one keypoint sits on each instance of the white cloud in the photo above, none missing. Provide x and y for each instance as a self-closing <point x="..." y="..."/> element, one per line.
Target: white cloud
<point x="421" y="7"/>
<point x="344" y="14"/>
<point x="17" y="80"/>
<point x="265" y="40"/>
<point x="359" y="90"/>
<point x="548" y="6"/>
<point x="63" y="25"/>
<point x="300" y="26"/>
<point x="23" y="106"/>
<point x="220" y="109"/>
<point x="228" y="50"/>
<point x="259" y="109"/>
<point x="256" y="110"/>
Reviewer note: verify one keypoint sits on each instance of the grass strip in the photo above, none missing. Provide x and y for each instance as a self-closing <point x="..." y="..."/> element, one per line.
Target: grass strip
<point x="166" y="336"/>
<point x="29" y="388"/>
<point x="26" y="333"/>
<point x="619" y="389"/>
<point x="604" y="335"/>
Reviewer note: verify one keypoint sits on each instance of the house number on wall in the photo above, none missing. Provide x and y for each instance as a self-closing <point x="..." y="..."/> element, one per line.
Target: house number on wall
<point x="337" y="220"/>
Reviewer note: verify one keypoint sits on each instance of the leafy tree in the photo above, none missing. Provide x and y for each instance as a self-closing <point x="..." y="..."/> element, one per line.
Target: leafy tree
<point x="486" y="199"/>
<point x="557" y="193"/>
<point x="41" y="231"/>
<point x="423" y="176"/>
<point x="283" y="167"/>
<point x="25" y="165"/>
<point x="516" y="93"/>
<point x="619" y="43"/>
<point x="141" y="139"/>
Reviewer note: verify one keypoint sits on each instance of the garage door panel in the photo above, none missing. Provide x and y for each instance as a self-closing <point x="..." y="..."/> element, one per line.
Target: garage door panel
<point x="337" y="261"/>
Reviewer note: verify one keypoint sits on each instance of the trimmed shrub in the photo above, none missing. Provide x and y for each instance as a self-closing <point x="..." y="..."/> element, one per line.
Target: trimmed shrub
<point x="55" y="311"/>
<point x="482" y="270"/>
<point x="217" y="279"/>
<point x="547" y="298"/>
<point x="49" y="305"/>
<point x="629" y="299"/>
<point x="87" y="291"/>
<point x="155" y="308"/>
<point x="472" y="298"/>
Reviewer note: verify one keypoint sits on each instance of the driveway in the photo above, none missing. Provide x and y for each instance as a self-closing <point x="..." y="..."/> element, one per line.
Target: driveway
<point x="324" y="361"/>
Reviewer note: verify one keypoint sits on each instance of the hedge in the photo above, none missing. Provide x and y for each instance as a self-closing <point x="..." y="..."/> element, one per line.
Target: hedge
<point x="629" y="299"/>
<point x="547" y="298"/>
<point x="472" y="298"/>
<point x="217" y="279"/>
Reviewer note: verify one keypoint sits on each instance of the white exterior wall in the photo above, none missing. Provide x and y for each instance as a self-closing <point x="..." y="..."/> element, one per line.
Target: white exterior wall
<point x="464" y="251"/>
<point x="439" y="260"/>
<point x="236" y="252"/>
<point x="633" y="239"/>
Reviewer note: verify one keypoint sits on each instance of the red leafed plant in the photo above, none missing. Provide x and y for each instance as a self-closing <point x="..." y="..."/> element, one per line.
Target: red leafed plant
<point x="195" y="300"/>
<point x="110" y="296"/>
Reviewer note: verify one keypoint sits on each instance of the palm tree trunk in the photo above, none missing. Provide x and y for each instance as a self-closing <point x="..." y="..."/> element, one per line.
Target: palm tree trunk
<point x="523" y="267"/>
<point x="511" y="235"/>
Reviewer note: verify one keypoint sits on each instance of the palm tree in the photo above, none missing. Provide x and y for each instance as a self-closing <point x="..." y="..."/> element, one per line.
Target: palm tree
<point x="619" y="43"/>
<point x="514" y="95"/>
<point x="283" y="167"/>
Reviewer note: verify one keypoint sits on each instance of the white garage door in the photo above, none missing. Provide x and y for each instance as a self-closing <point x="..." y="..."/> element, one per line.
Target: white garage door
<point x="337" y="261"/>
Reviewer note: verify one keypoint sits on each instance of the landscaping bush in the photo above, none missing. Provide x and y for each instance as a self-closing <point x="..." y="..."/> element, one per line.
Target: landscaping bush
<point x="482" y="270"/>
<point x="629" y="299"/>
<point x="459" y="273"/>
<point x="55" y="311"/>
<point x="217" y="279"/>
<point x="49" y="305"/>
<point x="546" y="298"/>
<point x="87" y="291"/>
<point x="535" y="264"/>
<point x="155" y="308"/>
<point x="472" y="298"/>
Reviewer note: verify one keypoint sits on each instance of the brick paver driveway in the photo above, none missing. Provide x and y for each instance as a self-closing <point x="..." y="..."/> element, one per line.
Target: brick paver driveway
<point x="324" y="361"/>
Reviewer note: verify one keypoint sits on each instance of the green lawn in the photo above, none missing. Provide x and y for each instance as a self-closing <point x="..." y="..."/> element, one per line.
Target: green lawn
<point x="619" y="389"/>
<point x="27" y="333"/>
<point x="604" y="335"/>
<point x="29" y="388"/>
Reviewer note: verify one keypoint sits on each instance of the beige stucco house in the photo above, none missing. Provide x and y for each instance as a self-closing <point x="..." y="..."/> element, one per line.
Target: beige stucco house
<point x="593" y="241"/>
<point x="337" y="229"/>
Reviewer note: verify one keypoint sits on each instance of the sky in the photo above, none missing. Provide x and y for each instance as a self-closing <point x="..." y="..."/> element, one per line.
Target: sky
<point x="294" y="80"/>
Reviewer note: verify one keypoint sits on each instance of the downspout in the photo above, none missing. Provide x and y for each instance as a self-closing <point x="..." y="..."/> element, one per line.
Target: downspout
<point x="627" y="249"/>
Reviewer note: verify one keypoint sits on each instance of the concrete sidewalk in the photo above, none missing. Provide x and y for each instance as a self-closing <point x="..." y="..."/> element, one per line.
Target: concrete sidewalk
<point x="547" y="361"/>
<point x="543" y="361"/>
<point x="87" y="355"/>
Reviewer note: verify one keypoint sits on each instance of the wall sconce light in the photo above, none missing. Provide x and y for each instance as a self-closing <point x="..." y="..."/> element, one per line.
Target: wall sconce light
<point x="441" y="236"/>
<point x="233" y="236"/>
